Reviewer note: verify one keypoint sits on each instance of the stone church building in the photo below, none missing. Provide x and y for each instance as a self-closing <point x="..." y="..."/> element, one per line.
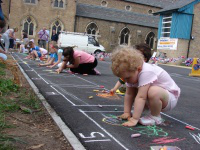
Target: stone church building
<point x="116" y="22"/>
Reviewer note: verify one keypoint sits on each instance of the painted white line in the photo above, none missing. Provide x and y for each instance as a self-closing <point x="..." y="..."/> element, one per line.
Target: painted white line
<point x="98" y="105"/>
<point x="104" y="130"/>
<point x="71" y="95"/>
<point x="32" y="69"/>
<point x="106" y="140"/>
<point x="75" y="143"/>
<point x="179" y="121"/>
<point x="63" y="95"/>
<point x="102" y="111"/>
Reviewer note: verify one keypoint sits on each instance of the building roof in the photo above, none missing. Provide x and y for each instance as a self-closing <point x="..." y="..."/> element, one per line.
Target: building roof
<point x="175" y="6"/>
<point x="155" y="3"/>
<point x="116" y="15"/>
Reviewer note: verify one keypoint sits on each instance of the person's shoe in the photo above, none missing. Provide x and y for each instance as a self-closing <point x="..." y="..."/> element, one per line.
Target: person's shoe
<point x="151" y="120"/>
<point x="97" y="72"/>
<point x="37" y="59"/>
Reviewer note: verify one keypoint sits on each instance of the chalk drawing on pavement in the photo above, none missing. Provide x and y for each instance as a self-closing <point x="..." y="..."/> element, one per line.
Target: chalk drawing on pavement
<point x="145" y="130"/>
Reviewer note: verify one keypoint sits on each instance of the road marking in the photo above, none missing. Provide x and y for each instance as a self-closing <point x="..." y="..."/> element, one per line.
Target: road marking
<point x="106" y="140"/>
<point x="102" y="111"/>
<point x="103" y="130"/>
<point x="98" y="105"/>
<point x="63" y="95"/>
<point x="180" y="121"/>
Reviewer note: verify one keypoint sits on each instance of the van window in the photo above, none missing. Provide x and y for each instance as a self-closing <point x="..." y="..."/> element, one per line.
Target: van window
<point x="92" y="41"/>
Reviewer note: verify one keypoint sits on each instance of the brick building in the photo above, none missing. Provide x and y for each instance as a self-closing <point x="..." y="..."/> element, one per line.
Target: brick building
<point x="118" y="22"/>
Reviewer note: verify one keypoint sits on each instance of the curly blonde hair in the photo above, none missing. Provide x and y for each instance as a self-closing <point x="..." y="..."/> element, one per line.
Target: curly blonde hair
<point x="125" y="59"/>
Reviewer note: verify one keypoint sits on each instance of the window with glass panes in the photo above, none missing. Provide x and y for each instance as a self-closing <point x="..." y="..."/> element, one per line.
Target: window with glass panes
<point x="30" y="1"/>
<point x="57" y="26"/>
<point x="124" y="37"/>
<point x="28" y="25"/>
<point x="58" y="3"/>
<point x="166" y="25"/>
<point x="92" y="29"/>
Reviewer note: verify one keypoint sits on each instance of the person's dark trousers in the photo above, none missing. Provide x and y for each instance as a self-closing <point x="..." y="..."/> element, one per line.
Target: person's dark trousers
<point x="11" y="43"/>
<point x="87" y="68"/>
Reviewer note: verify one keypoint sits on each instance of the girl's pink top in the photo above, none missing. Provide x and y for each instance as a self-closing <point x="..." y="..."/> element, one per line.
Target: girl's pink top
<point x="84" y="57"/>
<point x="156" y="76"/>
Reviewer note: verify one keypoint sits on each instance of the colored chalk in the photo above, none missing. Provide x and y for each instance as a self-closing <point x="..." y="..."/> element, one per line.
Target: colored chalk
<point x="100" y="106"/>
<point x="101" y="86"/>
<point x="90" y="97"/>
<point x="85" y="74"/>
<point x="189" y="127"/>
<point x="135" y="135"/>
<point x="95" y="90"/>
<point x="115" y="109"/>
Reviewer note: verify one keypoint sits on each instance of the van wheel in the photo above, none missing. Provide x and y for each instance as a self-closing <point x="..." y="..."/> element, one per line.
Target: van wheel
<point x="97" y="52"/>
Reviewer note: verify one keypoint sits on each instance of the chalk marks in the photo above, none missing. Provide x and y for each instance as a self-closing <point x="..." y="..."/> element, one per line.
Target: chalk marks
<point x="151" y="130"/>
<point x="196" y="137"/>
<point x="145" y="130"/>
<point x="166" y="140"/>
<point x="94" y="137"/>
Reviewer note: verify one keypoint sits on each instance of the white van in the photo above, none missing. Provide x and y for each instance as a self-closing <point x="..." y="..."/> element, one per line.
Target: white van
<point x="83" y="42"/>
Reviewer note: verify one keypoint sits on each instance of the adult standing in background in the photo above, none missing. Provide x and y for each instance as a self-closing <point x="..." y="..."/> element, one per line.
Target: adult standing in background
<point x="43" y="37"/>
<point x="54" y="36"/>
<point x="9" y="34"/>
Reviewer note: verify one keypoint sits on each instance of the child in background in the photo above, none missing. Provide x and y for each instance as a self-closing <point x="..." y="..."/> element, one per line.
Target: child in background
<point x="80" y="62"/>
<point x="55" y="57"/>
<point x="143" y="49"/>
<point x="146" y="83"/>
<point x="35" y="51"/>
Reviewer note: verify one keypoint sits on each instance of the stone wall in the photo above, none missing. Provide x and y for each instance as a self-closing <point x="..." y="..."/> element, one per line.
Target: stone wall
<point x="195" y="43"/>
<point x="43" y="13"/>
<point x="109" y="38"/>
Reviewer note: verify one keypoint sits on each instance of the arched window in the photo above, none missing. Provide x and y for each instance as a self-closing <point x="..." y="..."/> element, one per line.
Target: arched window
<point x="150" y="39"/>
<point x="58" y="3"/>
<point x="29" y="25"/>
<point x="92" y="29"/>
<point x="124" y="36"/>
<point x="57" y="25"/>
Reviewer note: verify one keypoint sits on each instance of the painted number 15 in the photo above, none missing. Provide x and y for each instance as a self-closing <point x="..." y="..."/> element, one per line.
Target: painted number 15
<point x="93" y="137"/>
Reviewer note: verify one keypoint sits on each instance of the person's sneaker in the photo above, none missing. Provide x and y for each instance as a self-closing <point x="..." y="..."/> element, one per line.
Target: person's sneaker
<point x="151" y="120"/>
<point x="37" y="59"/>
<point x="97" y="72"/>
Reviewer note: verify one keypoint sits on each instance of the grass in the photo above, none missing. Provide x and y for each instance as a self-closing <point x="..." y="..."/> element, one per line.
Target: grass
<point x="12" y="98"/>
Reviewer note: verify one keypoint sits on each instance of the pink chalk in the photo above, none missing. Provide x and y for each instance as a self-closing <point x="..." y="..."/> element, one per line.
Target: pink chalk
<point x="101" y="86"/>
<point x="135" y="135"/>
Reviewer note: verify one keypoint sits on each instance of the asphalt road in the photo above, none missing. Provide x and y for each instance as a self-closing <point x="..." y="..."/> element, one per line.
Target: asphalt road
<point x="97" y="127"/>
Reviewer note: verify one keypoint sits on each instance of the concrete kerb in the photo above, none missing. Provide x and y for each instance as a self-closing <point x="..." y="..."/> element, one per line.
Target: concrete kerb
<point x="75" y="143"/>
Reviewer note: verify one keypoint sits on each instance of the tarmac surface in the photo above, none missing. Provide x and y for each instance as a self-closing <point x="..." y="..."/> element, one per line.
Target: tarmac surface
<point x="94" y="121"/>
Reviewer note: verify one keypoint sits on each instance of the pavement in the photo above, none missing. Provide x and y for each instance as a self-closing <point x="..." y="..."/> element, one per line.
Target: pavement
<point x="93" y="124"/>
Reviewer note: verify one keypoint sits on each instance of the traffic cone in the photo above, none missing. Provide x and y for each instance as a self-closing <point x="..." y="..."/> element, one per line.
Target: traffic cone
<point x="195" y="68"/>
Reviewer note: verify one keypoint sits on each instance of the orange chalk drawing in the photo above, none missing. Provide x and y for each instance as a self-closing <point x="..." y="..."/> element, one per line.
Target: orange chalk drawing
<point x="108" y="95"/>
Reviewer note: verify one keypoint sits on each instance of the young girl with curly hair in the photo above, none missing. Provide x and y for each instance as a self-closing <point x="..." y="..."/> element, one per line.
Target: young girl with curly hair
<point x="146" y="83"/>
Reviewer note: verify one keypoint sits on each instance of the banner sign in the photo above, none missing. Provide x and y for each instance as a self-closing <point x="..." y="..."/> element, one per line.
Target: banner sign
<point x="167" y="44"/>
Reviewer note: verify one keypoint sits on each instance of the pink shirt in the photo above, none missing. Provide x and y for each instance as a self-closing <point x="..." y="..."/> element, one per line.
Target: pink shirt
<point x="84" y="57"/>
<point x="156" y="76"/>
